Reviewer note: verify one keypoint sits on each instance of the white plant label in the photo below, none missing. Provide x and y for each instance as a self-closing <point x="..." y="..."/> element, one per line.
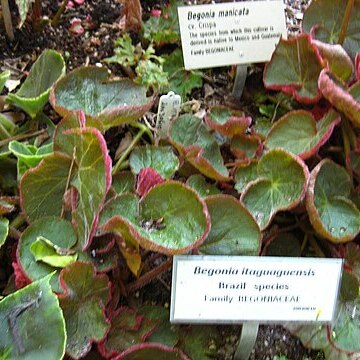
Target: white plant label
<point x="169" y="107"/>
<point x="230" y="33"/>
<point x="233" y="289"/>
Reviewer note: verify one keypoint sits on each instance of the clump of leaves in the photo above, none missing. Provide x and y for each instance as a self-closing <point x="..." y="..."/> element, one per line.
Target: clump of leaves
<point x="147" y="66"/>
<point x="90" y="235"/>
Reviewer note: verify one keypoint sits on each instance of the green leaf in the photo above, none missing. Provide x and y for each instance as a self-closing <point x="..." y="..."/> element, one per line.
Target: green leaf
<point x="125" y="54"/>
<point x="86" y="168"/>
<point x="28" y="155"/>
<point x="161" y="159"/>
<point x="150" y="73"/>
<point x="196" y="144"/>
<point x="123" y="182"/>
<point x="299" y="133"/>
<point x="340" y="340"/>
<point x="340" y="63"/>
<point x="283" y="244"/>
<point x="83" y="301"/>
<point x="44" y="250"/>
<point x="246" y="146"/>
<point x="181" y="81"/>
<point x="4" y="76"/>
<point x="281" y="184"/>
<point x="151" y="351"/>
<point x="4" y="229"/>
<point x="324" y="19"/>
<point x="32" y="324"/>
<point x="233" y="230"/>
<point x="59" y="232"/>
<point x="226" y="121"/>
<point x="108" y="102"/>
<point x="127" y="328"/>
<point x="42" y="188"/>
<point x="91" y="178"/>
<point x="170" y="218"/>
<point x="345" y="100"/>
<point x="195" y="340"/>
<point x="165" y="29"/>
<point x="294" y="69"/>
<point x="34" y="92"/>
<point x="201" y="186"/>
<point x="165" y="332"/>
<point x="244" y="174"/>
<point x="332" y="214"/>
<point x="23" y="7"/>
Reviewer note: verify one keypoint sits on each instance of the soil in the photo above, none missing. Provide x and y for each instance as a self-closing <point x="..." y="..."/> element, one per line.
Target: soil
<point x="102" y="23"/>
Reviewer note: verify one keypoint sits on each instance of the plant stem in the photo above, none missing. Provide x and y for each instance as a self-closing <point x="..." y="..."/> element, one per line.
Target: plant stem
<point x="36" y="11"/>
<point x="345" y="23"/>
<point x="18" y="221"/>
<point x="129" y="149"/>
<point x="22" y="137"/>
<point x="145" y="128"/>
<point x="7" y="19"/>
<point x="60" y="11"/>
<point x="347" y="147"/>
<point x="149" y="276"/>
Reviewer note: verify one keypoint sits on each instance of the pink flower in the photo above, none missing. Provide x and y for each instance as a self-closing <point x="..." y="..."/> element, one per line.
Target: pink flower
<point x="76" y="27"/>
<point x="155" y="13"/>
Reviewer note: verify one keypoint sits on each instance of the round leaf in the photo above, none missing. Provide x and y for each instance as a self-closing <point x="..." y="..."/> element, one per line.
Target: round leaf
<point x="233" y="230"/>
<point x="171" y="219"/>
<point x="161" y="159"/>
<point x="299" y="133"/>
<point x="324" y="19"/>
<point x="32" y="324"/>
<point x="192" y="140"/>
<point x="109" y="102"/>
<point x="332" y="214"/>
<point x="201" y="186"/>
<point x="60" y="232"/>
<point x="226" y="121"/>
<point x="281" y="185"/>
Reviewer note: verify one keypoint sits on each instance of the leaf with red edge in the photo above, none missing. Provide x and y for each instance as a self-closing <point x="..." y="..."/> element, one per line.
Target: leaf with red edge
<point x="110" y="103"/>
<point x="324" y="20"/>
<point x="193" y="141"/>
<point x="357" y="66"/>
<point x="83" y="301"/>
<point x="341" y="98"/>
<point x="171" y="218"/>
<point x="42" y="188"/>
<point x="352" y="259"/>
<point x="147" y="179"/>
<point x="280" y="185"/>
<point x="299" y="133"/>
<point x="151" y="351"/>
<point x="7" y="204"/>
<point x="331" y="212"/>
<point x="227" y="122"/>
<point x="246" y="146"/>
<point x="127" y="329"/>
<point x="340" y="340"/>
<point x="92" y="179"/>
<point x="340" y="63"/>
<point x="129" y="248"/>
<point x="294" y="69"/>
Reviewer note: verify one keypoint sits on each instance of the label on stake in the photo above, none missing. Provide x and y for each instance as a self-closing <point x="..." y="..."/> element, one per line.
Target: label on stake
<point x="230" y="33"/>
<point x="169" y="107"/>
<point x="233" y="289"/>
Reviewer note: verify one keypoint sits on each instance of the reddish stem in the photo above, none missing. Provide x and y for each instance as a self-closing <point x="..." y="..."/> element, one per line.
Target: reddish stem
<point x="149" y="276"/>
<point x="345" y="23"/>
